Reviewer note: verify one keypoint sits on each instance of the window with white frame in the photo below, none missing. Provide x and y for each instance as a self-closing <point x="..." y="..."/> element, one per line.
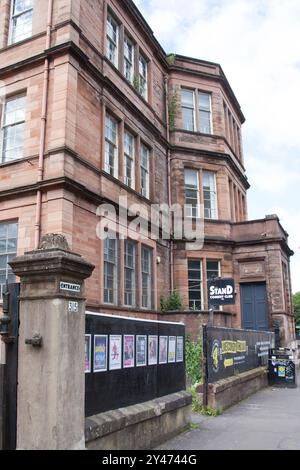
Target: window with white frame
<point x="143" y="77"/>
<point x="110" y="271"/>
<point x="188" y="109"/>
<point x="21" y="20"/>
<point x="213" y="270"/>
<point x="13" y="129"/>
<point x="191" y="183"/>
<point x="205" y="113"/>
<point x="145" y="171"/>
<point x="146" y="277"/>
<point x="210" y="195"/>
<point x="129" y="151"/>
<point x="128" y="59"/>
<point x="8" y="251"/>
<point x="111" y="146"/>
<point x="129" y="273"/>
<point x="195" y="284"/>
<point x="112" y="38"/>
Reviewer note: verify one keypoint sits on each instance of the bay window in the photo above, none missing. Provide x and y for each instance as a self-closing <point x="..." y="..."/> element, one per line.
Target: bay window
<point x="210" y="195"/>
<point x="112" y="38"/>
<point x="205" y="113"/>
<point x="145" y="171"/>
<point x="110" y="271"/>
<point x="129" y="151"/>
<point x="191" y="193"/>
<point x="195" y="284"/>
<point x="128" y="59"/>
<point x="129" y="273"/>
<point x="143" y="77"/>
<point x="146" y="277"/>
<point x="188" y="109"/>
<point x="111" y="146"/>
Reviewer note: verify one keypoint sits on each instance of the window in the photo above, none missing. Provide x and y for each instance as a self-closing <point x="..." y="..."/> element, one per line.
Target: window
<point x="112" y="37"/>
<point x="212" y="269"/>
<point x="8" y="251"/>
<point x="195" y="284"/>
<point x="128" y="59"/>
<point x="146" y="277"/>
<point x="13" y="127"/>
<point x="205" y="113"/>
<point x="145" y="170"/>
<point x="129" y="273"/>
<point x="129" y="159"/>
<point x="191" y="193"/>
<point x="210" y="195"/>
<point x="143" y="77"/>
<point x="188" y="113"/>
<point x="21" y="20"/>
<point x="110" y="271"/>
<point x="111" y="146"/>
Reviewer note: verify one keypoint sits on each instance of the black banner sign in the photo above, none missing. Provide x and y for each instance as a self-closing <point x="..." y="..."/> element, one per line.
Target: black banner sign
<point x="230" y="351"/>
<point x="221" y="292"/>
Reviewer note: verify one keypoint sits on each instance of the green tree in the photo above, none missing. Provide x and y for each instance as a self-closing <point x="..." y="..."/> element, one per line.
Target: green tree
<point x="296" y="299"/>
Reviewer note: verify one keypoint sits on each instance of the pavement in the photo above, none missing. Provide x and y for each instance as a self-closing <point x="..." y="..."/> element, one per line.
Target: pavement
<point x="268" y="420"/>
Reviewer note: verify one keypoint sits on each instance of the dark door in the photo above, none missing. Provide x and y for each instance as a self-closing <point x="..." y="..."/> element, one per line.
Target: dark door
<point x="254" y="306"/>
<point x="9" y="405"/>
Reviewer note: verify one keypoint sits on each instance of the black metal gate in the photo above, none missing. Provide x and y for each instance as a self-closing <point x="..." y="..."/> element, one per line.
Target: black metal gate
<point x="9" y="372"/>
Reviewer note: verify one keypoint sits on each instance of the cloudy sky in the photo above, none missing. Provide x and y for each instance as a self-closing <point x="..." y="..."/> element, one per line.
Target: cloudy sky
<point x="257" y="43"/>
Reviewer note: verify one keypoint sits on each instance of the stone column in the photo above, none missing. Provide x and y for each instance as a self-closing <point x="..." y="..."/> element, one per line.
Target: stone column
<point x="51" y="384"/>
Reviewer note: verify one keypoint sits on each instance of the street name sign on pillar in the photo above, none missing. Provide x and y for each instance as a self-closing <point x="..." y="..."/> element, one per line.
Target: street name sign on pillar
<point x="51" y="379"/>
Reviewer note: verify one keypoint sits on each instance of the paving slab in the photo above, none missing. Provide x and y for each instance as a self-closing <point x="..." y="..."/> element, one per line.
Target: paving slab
<point x="268" y="420"/>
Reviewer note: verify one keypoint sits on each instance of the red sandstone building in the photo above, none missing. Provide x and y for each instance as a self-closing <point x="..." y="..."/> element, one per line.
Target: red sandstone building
<point x="91" y="109"/>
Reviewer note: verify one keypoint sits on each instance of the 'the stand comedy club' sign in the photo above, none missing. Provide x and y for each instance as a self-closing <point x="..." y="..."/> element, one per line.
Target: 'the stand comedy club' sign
<point x="221" y="292"/>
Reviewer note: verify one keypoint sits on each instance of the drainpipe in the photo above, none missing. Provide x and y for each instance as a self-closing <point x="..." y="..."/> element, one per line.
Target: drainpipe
<point x="43" y="129"/>
<point x="169" y="180"/>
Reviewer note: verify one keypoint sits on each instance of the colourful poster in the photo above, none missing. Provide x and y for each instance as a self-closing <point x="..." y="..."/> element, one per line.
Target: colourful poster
<point x="163" y="349"/>
<point x="128" y="351"/>
<point x="152" y="350"/>
<point x="172" y="349"/>
<point x="100" y="353"/>
<point x="115" y="352"/>
<point x="179" y="349"/>
<point x="87" y="353"/>
<point x="141" y="350"/>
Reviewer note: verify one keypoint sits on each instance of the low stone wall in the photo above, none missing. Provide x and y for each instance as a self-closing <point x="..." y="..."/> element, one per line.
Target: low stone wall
<point x="139" y="427"/>
<point x="228" y="392"/>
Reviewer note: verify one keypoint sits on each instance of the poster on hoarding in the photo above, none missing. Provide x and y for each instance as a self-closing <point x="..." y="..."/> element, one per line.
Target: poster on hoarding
<point x="128" y="351"/>
<point x="115" y="352"/>
<point x="141" y="350"/>
<point x="172" y="349"/>
<point x="163" y="349"/>
<point x="88" y="353"/>
<point x="179" y="349"/>
<point x="152" y="350"/>
<point x="100" y="353"/>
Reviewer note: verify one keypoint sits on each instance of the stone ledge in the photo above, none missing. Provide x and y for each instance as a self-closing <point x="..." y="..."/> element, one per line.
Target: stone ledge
<point x="113" y="421"/>
<point x="224" y="384"/>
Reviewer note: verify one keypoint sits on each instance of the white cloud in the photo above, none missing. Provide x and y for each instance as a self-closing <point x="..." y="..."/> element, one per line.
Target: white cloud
<point x="257" y="43"/>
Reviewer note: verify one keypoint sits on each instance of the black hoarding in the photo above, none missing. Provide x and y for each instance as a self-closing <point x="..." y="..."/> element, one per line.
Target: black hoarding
<point x="130" y="361"/>
<point x="230" y="352"/>
<point x="221" y="292"/>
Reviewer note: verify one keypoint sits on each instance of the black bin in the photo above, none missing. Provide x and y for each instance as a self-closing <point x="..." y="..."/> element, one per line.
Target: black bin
<point x="282" y="368"/>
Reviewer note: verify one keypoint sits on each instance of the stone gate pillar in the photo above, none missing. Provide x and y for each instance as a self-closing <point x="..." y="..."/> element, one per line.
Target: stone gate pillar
<point x="51" y="346"/>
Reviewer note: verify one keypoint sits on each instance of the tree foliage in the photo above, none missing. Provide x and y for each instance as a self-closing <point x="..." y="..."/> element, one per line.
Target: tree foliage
<point x="296" y="299"/>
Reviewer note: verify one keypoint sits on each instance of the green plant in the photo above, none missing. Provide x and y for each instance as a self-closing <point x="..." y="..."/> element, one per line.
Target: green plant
<point x="193" y="360"/>
<point x="173" y="109"/>
<point x="171" y="58"/>
<point x="136" y="83"/>
<point x="296" y="301"/>
<point x="173" y="302"/>
<point x="198" y="407"/>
